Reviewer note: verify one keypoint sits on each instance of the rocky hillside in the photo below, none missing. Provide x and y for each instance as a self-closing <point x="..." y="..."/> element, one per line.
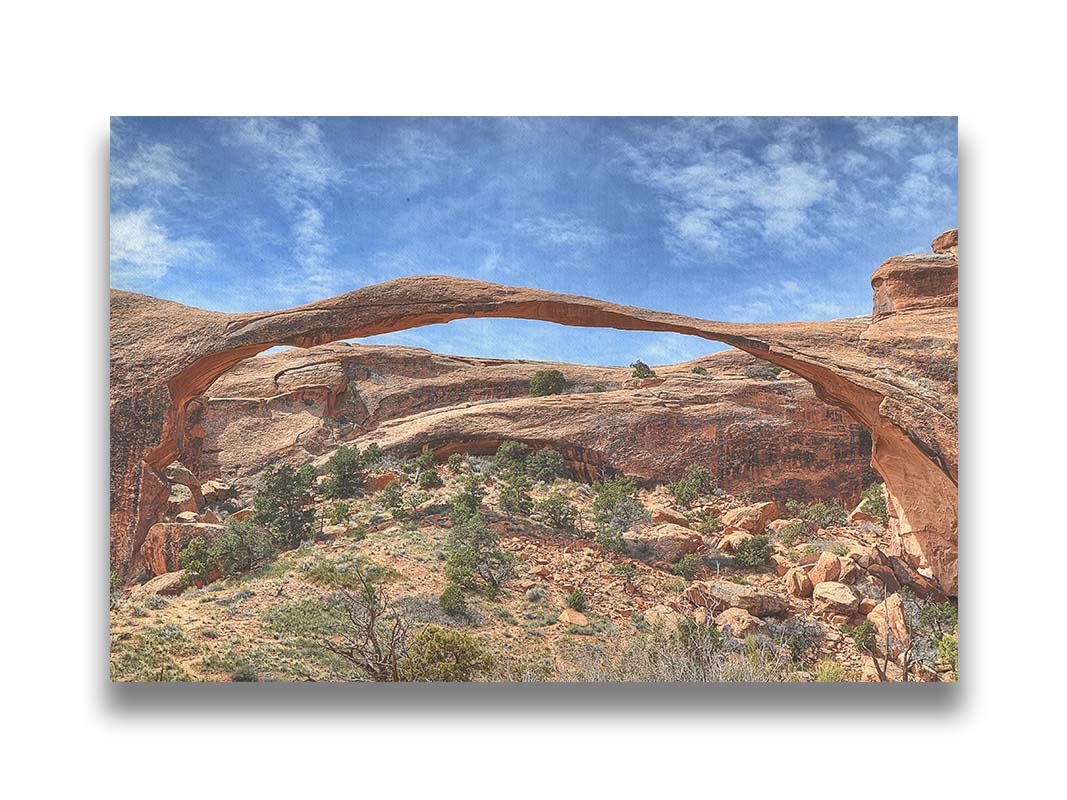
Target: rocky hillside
<point x="690" y="583"/>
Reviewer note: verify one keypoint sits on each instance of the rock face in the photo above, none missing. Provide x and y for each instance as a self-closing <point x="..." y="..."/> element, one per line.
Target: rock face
<point x="895" y="374"/>
<point x="298" y="405"/>
<point x="159" y="551"/>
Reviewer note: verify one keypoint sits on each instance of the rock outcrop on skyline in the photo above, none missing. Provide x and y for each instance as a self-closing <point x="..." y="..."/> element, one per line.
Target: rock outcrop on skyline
<point x="894" y="373"/>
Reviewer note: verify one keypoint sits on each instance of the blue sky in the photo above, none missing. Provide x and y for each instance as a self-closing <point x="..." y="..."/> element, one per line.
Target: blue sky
<point x="740" y="219"/>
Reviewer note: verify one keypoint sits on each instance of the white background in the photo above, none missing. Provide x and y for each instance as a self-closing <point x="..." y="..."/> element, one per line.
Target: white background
<point x="67" y="67"/>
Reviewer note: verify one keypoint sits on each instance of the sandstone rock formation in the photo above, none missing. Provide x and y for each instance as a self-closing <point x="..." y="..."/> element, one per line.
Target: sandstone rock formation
<point x="894" y="373"/>
<point x="300" y="404"/>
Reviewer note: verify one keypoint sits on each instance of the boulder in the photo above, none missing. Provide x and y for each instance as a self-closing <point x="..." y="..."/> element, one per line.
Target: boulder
<point x="859" y="515"/>
<point x="166" y="539"/>
<point x="947" y="242"/>
<point x="669" y="515"/>
<point x="181" y="499"/>
<point x="753" y="518"/>
<point x="776" y="525"/>
<point x="832" y="597"/>
<point x="827" y="568"/>
<point x="924" y="587"/>
<point x="885" y="575"/>
<point x="176" y="472"/>
<point x="187" y="516"/>
<point x="720" y="595"/>
<point x="664" y="542"/>
<point x="781" y="564"/>
<point x="850" y="571"/>
<point x="729" y="542"/>
<point x="797" y="583"/>
<point x="889" y="616"/>
<point x="169" y="583"/>
<point x="215" y="491"/>
<point x="375" y="483"/>
<point x="739" y="622"/>
<point x="569" y="616"/>
<point x="662" y="615"/>
<point x="244" y="513"/>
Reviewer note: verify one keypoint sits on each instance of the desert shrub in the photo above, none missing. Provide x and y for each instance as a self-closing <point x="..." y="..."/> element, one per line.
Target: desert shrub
<point x="708" y="523"/>
<point x="819" y="514"/>
<point x="939" y="619"/>
<point x="688" y="566"/>
<point x="283" y="504"/>
<point x="467" y="502"/>
<point x="624" y="570"/>
<point x="697" y="483"/>
<point x="753" y="552"/>
<point x="372" y="456"/>
<point x="796" y="633"/>
<point x="790" y="533"/>
<point x="546" y="382"/>
<point x="456" y="462"/>
<point x="438" y="654"/>
<point x="429" y="479"/>
<point x="352" y="632"/>
<point x="245" y="673"/>
<point x="474" y="557"/>
<point x="767" y="372"/>
<point x="642" y="370"/>
<point x="155" y="602"/>
<point x="453" y="602"/>
<point x="557" y="512"/>
<point x="873" y="502"/>
<point x="576" y="600"/>
<point x="610" y="539"/>
<point x="827" y="671"/>
<point x="346" y="469"/>
<point x="199" y="560"/>
<point x="416" y="499"/>
<point x="616" y="508"/>
<point x="545" y="465"/>
<point x="599" y="387"/>
<point x="242" y="546"/>
<point x="699" y="371"/>
<point x="515" y="496"/>
<point x="948" y="651"/>
<point x="675" y="584"/>
<point x="392" y="497"/>
<point x="510" y="456"/>
<point x="152" y="655"/>
<point x="338" y="513"/>
<point x="425" y="460"/>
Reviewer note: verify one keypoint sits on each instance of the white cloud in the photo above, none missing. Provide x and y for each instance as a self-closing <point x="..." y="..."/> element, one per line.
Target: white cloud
<point x="299" y="170"/>
<point x="143" y="249"/>
<point x="153" y="168"/>
<point x="563" y="230"/>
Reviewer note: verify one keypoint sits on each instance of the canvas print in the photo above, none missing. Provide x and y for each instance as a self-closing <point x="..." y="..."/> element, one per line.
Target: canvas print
<point x="533" y="399"/>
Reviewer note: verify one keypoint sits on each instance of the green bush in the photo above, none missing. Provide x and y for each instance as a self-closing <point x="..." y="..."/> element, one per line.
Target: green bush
<point x="439" y="654"/>
<point x="827" y="671"/>
<point x="753" y="552"/>
<point x="456" y="462"/>
<point x="372" y="456"/>
<point x="545" y="465"/>
<point x="557" y="512"/>
<point x="610" y="540"/>
<point x="338" y="513"/>
<point x="429" y="479"/>
<point x="346" y="469"/>
<point x="697" y="483"/>
<point x="510" y="456"/>
<point x="546" y="382"/>
<point x="576" y="600"/>
<point x="789" y="534"/>
<point x="283" y="504"/>
<point x="242" y="546"/>
<point x="599" y="387"/>
<point x="873" y="502"/>
<point x="767" y="372"/>
<point x="688" y="566"/>
<point x="642" y="370"/>
<point x="474" y="557"/>
<point x="820" y="514"/>
<point x="392" y="497"/>
<point x="515" y="496"/>
<point x="708" y="523"/>
<point x="615" y="507"/>
<point x="453" y="602"/>
<point x="199" y="560"/>
<point x="468" y="500"/>
<point x="699" y="371"/>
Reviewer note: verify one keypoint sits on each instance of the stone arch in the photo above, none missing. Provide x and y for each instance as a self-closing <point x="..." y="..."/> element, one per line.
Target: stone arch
<point x="165" y="355"/>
